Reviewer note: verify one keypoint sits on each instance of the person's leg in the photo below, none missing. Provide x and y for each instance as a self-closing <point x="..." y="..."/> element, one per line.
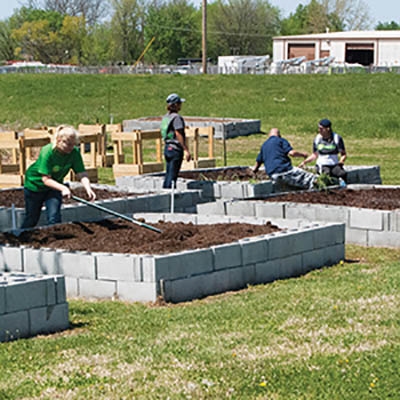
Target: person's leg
<point x="173" y="160"/>
<point x="339" y="172"/>
<point x="53" y="206"/>
<point x="298" y="178"/>
<point x="168" y="169"/>
<point x="33" y="207"/>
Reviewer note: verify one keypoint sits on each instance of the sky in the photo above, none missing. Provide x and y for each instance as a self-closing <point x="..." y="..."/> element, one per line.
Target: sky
<point x="379" y="10"/>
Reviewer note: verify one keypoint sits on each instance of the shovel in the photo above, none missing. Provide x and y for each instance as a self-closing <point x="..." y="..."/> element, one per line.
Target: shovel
<point x="106" y="210"/>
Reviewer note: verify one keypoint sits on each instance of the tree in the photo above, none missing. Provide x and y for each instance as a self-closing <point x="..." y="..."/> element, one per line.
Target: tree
<point x="352" y="14"/>
<point x="127" y="29"/>
<point x="91" y="10"/>
<point x="312" y="18"/>
<point x="244" y="26"/>
<point x="176" y="28"/>
<point x="388" y="26"/>
<point x="7" y="42"/>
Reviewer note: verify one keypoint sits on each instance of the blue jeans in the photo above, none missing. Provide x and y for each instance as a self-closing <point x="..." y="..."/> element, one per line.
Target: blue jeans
<point x="33" y="207"/>
<point x="173" y="158"/>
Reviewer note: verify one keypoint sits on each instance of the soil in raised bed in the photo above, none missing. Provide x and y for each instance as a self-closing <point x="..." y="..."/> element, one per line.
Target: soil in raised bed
<point x="377" y="198"/>
<point x="226" y="174"/>
<point x="16" y="196"/>
<point x="118" y="236"/>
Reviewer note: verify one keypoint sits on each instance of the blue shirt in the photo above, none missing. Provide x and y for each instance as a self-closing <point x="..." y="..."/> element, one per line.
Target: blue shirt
<point x="274" y="155"/>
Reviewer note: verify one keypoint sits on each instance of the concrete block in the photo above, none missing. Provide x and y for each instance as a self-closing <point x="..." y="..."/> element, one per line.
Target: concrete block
<point x="290" y="266"/>
<point x="368" y="219"/>
<point x="41" y="261"/>
<point x="137" y="291"/>
<point x="98" y="289"/>
<point x="14" y="326"/>
<point x="32" y="293"/>
<point x="2" y="297"/>
<point x="323" y="257"/>
<point x="300" y="211"/>
<point x="395" y="225"/>
<point x="383" y="239"/>
<point x="199" y="286"/>
<point x="269" y="209"/>
<point x="242" y="208"/>
<point x="77" y="264"/>
<point x="48" y="319"/>
<point x="211" y="219"/>
<point x="5" y="219"/>
<point x="227" y="255"/>
<point x="212" y="208"/>
<point x="61" y="295"/>
<point x="259" y="189"/>
<point x="120" y="267"/>
<point x="181" y="217"/>
<point x="357" y="236"/>
<point x="176" y="265"/>
<point x="11" y="258"/>
<point x="254" y="249"/>
<point x="331" y="213"/>
<point x="71" y="287"/>
<point x="206" y="188"/>
<point x="70" y="213"/>
<point x="233" y="190"/>
<point x="285" y="244"/>
<point x="328" y="235"/>
<point x="267" y="271"/>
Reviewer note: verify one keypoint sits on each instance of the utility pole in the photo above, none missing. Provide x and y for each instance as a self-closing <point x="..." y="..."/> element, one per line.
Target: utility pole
<point x="204" y="36"/>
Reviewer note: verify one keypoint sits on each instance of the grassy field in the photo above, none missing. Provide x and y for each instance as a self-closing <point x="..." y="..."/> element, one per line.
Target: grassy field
<point x="331" y="334"/>
<point x="363" y="108"/>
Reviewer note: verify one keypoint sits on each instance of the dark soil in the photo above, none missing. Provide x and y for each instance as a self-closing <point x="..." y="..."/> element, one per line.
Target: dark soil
<point x="16" y="196"/>
<point x="379" y="199"/>
<point x="117" y="236"/>
<point x="226" y="174"/>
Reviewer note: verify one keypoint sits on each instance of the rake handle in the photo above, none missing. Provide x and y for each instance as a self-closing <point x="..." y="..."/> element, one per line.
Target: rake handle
<point x="106" y="210"/>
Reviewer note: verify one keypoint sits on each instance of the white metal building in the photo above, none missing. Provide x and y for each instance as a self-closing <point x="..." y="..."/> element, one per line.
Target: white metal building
<point x="380" y="48"/>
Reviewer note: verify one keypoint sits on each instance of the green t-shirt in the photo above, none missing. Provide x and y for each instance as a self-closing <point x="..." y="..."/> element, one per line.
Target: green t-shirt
<point x="53" y="163"/>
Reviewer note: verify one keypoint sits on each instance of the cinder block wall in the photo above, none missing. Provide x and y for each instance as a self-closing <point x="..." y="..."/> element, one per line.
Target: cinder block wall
<point x="189" y="274"/>
<point x="31" y="305"/>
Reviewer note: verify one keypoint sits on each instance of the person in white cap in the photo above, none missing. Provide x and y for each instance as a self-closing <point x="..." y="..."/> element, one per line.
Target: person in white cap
<point x="173" y="134"/>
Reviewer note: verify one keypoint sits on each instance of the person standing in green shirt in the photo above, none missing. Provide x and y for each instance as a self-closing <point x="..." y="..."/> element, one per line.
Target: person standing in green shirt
<point x="44" y="178"/>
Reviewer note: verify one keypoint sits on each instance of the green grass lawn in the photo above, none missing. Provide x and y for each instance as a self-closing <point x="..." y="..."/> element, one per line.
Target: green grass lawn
<point x="331" y="334"/>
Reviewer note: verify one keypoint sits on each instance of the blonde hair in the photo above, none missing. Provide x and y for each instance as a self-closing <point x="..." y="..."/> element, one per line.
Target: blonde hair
<point x="65" y="131"/>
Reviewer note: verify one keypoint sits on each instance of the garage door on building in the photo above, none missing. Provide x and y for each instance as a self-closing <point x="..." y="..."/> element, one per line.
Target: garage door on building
<point x="301" y="49"/>
<point x="361" y="53"/>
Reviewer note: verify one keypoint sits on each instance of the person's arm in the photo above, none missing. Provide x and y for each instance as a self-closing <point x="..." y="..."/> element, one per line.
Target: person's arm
<point x="295" y="153"/>
<point x="83" y="177"/>
<point x="343" y="157"/>
<point x="312" y="157"/>
<point x="53" y="184"/>
<point x="257" y="166"/>
<point x="182" y="141"/>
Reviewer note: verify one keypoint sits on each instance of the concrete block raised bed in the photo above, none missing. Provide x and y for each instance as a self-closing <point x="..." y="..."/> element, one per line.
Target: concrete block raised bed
<point x="366" y="227"/>
<point x="187" y="275"/>
<point x="183" y="201"/>
<point x="214" y="190"/>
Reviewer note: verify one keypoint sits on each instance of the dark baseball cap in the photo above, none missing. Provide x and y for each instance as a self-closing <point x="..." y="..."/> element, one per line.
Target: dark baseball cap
<point x="173" y="98"/>
<point x="325" y="123"/>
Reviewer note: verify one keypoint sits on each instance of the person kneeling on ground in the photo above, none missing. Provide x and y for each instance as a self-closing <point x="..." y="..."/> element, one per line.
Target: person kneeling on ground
<point x="327" y="146"/>
<point x="44" y="178"/>
<point x="274" y="153"/>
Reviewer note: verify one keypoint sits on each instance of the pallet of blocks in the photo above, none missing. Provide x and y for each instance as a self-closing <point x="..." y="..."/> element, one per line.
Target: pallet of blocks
<point x="193" y="137"/>
<point x="137" y="139"/>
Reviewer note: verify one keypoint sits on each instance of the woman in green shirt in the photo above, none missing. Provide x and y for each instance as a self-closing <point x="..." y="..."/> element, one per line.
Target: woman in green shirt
<point x="44" y="178"/>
